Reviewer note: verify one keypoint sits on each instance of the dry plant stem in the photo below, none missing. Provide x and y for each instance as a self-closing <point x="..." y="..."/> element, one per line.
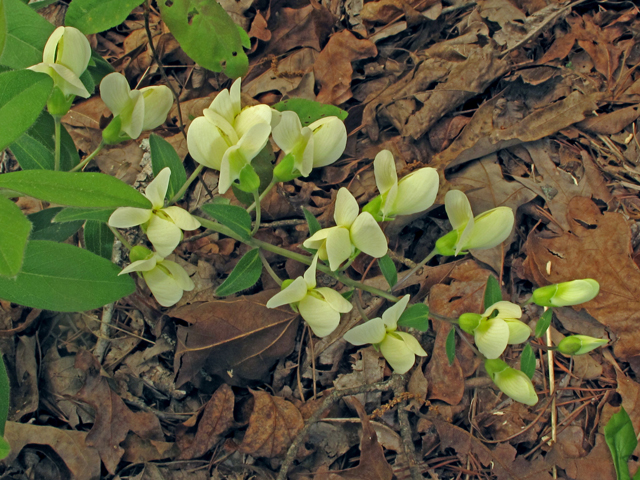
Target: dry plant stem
<point x="326" y="404"/>
<point x="107" y="313"/>
<point x="154" y="54"/>
<point x="552" y="394"/>
<point x="90" y="157"/>
<point x="414" y="270"/>
<point x="56" y="153"/>
<point x="184" y="187"/>
<point x="405" y="430"/>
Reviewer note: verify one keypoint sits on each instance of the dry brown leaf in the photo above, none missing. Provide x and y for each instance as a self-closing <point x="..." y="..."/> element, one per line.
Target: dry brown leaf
<point x="559" y="49"/>
<point x="464" y="294"/>
<point x="216" y="418"/>
<point x="284" y="76"/>
<point x="83" y="461"/>
<point x="368" y="368"/>
<point x="273" y="425"/>
<point x="446" y="382"/>
<point x="597" y="247"/>
<point x="259" y="28"/>
<point x="333" y="68"/>
<point x="597" y="465"/>
<point x="611" y="123"/>
<point x="240" y="335"/>
<point x="113" y="418"/>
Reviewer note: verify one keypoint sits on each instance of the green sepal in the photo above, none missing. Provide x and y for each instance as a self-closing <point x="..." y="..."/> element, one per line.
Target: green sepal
<point x="284" y="171"/>
<point x="373" y="207"/>
<point x="248" y="180"/>
<point x="469" y="321"/>
<point x="446" y="245"/>
<point x="111" y="134"/>
<point x="59" y="104"/>
<point x="138" y="253"/>
<point x="494" y="366"/>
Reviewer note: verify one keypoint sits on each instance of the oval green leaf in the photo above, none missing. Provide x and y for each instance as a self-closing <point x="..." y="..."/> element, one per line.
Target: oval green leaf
<point x="492" y="292"/>
<point x="234" y="217"/>
<point x="64" y="278"/>
<point x="44" y="229"/>
<point x="98" y="238"/>
<point x="543" y="323"/>
<point x="245" y="275"/>
<point x="77" y="189"/>
<point x="528" y="361"/>
<point x="416" y="316"/>
<point x="23" y="95"/>
<point x="94" y="16"/>
<point x="388" y="269"/>
<point x="71" y="214"/>
<point x="13" y="237"/>
<point x="164" y="155"/>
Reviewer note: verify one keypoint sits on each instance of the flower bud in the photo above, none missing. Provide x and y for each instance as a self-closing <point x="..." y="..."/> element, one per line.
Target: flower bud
<point x="469" y="321"/>
<point x="511" y="382"/>
<point x="567" y="293"/>
<point x="579" y="344"/>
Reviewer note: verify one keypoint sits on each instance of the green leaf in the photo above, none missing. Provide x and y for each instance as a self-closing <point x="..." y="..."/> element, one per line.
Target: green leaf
<point x="5" y="448"/>
<point x="98" y="238"/>
<point x="23" y="95"/>
<point x="492" y="292"/>
<point x="244" y="275"/>
<point x="388" y="269"/>
<point x="34" y="149"/>
<point x="41" y="4"/>
<point x="77" y="189"/>
<point x="312" y="221"/>
<point x="207" y="34"/>
<point x="543" y="323"/>
<point x="450" y="346"/>
<point x="263" y="166"/>
<point x="310" y="111"/>
<point x="71" y="214"/>
<point x="164" y="155"/>
<point x="94" y="16"/>
<point x="528" y="361"/>
<point x="234" y="217"/>
<point x="5" y="390"/>
<point x="23" y="35"/>
<point x="13" y="237"/>
<point x="64" y="278"/>
<point x="44" y="229"/>
<point x="100" y="68"/>
<point x="416" y="316"/>
<point x="622" y="441"/>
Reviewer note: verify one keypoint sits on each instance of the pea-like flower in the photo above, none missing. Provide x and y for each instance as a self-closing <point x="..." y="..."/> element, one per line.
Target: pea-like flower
<point x="134" y="110"/>
<point x="567" y="293"/>
<point x="511" y="382"/>
<point x="412" y="194"/>
<point x="65" y="58"/>
<point x="579" y="344"/>
<point x="352" y="231"/>
<point x="227" y="138"/>
<point x="318" y="145"/>
<point x="487" y="230"/>
<point x="163" y="225"/>
<point x="399" y="348"/>
<point x="166" y="279"/>
<point x="496" y="328"/>
<point x="319" y="306"/>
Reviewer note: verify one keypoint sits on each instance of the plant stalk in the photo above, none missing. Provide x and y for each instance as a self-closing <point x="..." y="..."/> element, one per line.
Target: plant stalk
<point x="252" y="207"/>
<point x="90" y="157"/>
<point x="184" y="187"/>
<point x="56" y="152"/>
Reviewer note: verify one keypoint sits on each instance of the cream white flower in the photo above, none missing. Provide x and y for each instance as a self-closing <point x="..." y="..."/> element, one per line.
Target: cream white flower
<point x="137" y="110"/>
<point x="228" y="137"/>
<point x="166" y="279"/>
<point x="412" y="194"/>
<point x="399" y="348"/>
<point x="487" y="230"/>
<point x="318" y="145"/>
<point x="567" y="293"/>
<point x="319" y="306"/>
<point x="512" y="382"/>
<point x="65" y="58"/>
<point x="163" y="225"/>
<point x="352" y="231"/>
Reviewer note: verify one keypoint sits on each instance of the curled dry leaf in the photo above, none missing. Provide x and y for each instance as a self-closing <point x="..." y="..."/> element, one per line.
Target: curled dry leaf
<point x="446" y="382"/>
<point x="596" y="247"/>
<point x="273" y="425"/>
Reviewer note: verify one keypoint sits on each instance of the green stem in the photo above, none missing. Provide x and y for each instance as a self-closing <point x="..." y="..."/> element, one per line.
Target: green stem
<point x="256" y="202"/>
<point x="270" y="271"/>
<point x="252" y="207"/>
<point x="82" y="164"/>
<point x="56" y="153"/>
<point x="254" y="242"/>
<point x="184" y="187"/>
<point x="119" y="236"/>
<point x="414" y="270"/>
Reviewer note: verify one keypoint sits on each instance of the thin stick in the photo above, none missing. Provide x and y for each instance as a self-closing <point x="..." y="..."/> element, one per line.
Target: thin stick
<point x="552" y="388"/>
<point x="414" y="270"/>
<point x="405" y="432"/>
<point x="304" y="331"/>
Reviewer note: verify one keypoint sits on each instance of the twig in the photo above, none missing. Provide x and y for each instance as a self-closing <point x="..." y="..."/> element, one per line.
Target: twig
<point x="405" y="430"/>
<point x="156" y="58"/>
<point x="107" y="312"/>
<point x="552" y="394"/>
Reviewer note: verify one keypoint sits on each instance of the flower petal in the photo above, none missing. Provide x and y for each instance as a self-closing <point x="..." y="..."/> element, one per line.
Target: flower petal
<point x="157" y="188"/>
<point x="516" y="385"/>
<point x="367" y="236"/>
<point x="491" y="337"/>
<point x="142" y="265"/>
<point x="294" y="292"/>
<point x="458" y="208"/>
<point x="73" y="51"/>
<point x="322" y="319"/>
<point x="412" y="344"/>
<point x="288" y="132"/>
<point x="333" y="298"/>
<point x="68" y="82"/>
<point x="491" y="228"/>
<point x="310" y="274"/>
<point x="346" y="210"/>
<point x="318" y="238"/>
<point x="157" y="103"/>
<point x="51" y="47"/>
<point x="164" y="287"/>
<point x="398" y="354"/>
<point x="254" y="140"/>
<point x="114" y="91"/>
<point x="179" y="275"/>
<point x="519" y="332"/>
<point x="372" y="331"/>
<point x="330" y="140"/>
<point x="384" y="168"/>
<point x="392" y="314"/>
<point x="223" y="106"/>
<point x="232" y="164"/>
<point x="505" y="310"/>
<point x="183" y="219"/>
<point x="416" y="192"/>
<point x="304" y="162"/>
<point x="206" y="144"/>
<point x="252" y="116"/>
<point x="133" y="116"/>
<point x="338" y="247"/>
<point x="164" y="235"/>
<point x="127" y="217"/>
<point x="235" y="94"/>
<point x="225" y="127"/>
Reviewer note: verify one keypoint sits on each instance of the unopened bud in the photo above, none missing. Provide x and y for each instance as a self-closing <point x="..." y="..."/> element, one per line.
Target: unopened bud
<point x="579" y="344"/>
<point x="469" y="321"/>
<point x="567" y="293"/>
<point x="511" y="382"/>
